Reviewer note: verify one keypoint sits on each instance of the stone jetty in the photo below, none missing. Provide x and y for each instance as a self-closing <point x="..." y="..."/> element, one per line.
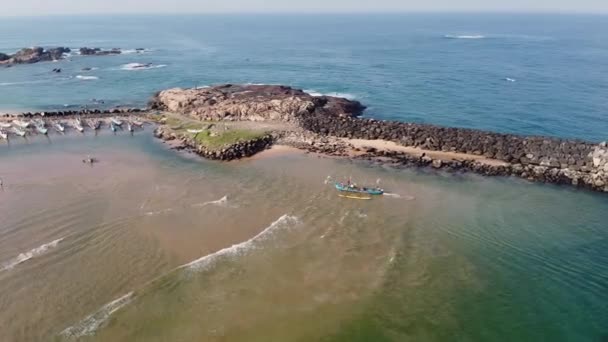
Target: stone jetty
<point x="327" y="125"/>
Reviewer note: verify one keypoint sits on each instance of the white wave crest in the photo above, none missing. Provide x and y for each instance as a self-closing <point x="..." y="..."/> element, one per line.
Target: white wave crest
<point x="348" y="96"/>
<point x="87" y="78"/>
<point x="5" y="84"/>
<point x="158" y="212"/>
<point x="222" y="202"/>
<point x="141" y="66"/>
<point x="36" y="252"/>
<point x="133" y="51"/>
<point x="508" y="79"/>
<point x="474" y="36"/>
<point x="90" y="324"/>
<point x="203" y="263"/>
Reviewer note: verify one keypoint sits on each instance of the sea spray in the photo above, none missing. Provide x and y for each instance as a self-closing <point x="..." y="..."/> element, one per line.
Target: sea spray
<point x="36" y="252"/>
<point x="90" y="324"/>
<point x="203" y="263"/>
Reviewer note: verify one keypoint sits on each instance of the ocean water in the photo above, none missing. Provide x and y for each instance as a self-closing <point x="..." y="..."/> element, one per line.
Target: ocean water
<point x="151" y="245"/>
<point x="525" y="74"/>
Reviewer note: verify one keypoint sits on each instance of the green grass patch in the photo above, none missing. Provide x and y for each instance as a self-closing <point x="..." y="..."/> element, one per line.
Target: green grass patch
<point x="226" y="138"/>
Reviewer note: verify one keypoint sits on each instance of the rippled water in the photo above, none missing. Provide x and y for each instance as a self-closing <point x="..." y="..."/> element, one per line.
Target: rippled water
<point x="527" y="74"/>
<point x="151" y="245"/>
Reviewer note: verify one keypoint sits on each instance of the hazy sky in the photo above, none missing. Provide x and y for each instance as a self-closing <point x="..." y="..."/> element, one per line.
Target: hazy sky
<point x="43" y="7"/>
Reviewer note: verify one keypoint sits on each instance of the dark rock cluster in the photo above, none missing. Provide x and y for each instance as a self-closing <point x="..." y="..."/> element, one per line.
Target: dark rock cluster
<point x="33" y="55"/>
<point x="238" y="150"/>
<point x="39" y="54"/>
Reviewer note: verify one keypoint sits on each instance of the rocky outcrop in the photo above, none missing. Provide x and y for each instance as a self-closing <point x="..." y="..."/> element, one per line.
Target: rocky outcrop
<point x="251" y="102"/>
<point x="85" y="51"/>
<point x="33" y="55"/>
<point x="39" y="54"/>
<point x="237" y="150"/>
<point x="541" y="159"/>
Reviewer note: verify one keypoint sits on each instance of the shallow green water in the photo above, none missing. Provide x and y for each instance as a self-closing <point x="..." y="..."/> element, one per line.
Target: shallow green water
<point x="281" y="258"/>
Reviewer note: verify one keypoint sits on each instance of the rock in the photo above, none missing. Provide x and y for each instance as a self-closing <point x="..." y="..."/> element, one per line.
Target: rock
<point x="437" y="163"/>
<point x="252" y="102"/>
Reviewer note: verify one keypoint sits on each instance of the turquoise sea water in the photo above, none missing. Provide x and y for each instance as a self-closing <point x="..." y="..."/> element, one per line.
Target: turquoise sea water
<point x="528" y="74"/>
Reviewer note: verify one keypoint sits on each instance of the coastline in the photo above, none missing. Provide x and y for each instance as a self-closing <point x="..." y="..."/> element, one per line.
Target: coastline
<point x="231" y="122"/>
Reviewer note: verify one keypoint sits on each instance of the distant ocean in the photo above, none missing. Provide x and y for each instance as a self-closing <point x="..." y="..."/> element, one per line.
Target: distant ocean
<point x="525" y="74"/>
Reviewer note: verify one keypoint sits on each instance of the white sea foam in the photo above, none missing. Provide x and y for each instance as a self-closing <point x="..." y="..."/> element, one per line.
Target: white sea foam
<point x="6" y="84"/>
<point x="222" y="202"/>
<point x="510" y="79"/>
<point x="87" y="78"/>
<point x="33" y="253"/>
<point x="141" y="66"/>
<point x="475" y="36"/>
<point x="89" y="325"/>
<point x="334" y="94"/>
<point x="158" y="212"/>
<point x="407" y="198"/>
<point x="284" y="222"/>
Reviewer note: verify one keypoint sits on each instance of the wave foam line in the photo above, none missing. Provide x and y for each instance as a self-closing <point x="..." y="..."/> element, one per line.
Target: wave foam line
<point x="475" y="36"/>
<point x="347" y="96"/>
<point x="221" y="202"/>
<point x="158" y="212"/>
<point x="203" y="263"/>
<point x="87" y="78"/>
<point x="89" y="325"/>
<point x="36" y="252"/>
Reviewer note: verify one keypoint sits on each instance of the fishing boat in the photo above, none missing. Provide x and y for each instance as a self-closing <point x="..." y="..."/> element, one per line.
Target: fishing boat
<point x="40" y="122"/>
<point x="19" y="132"/>
<point x="112" y="126"/>
<point x="3" y="135"/>
<point x="5" y="125"/>
<point x="41" y="129"/>
<point x="78" y="125"/>
<point x="59" y="127"/>
<point x="129" y="127"/>
<point x="22" y="124"/>
<point x="94" y="124"/>
<point x="354" y="189"/>
<point x="116" y="122"/>
<point x="138" y="123"/>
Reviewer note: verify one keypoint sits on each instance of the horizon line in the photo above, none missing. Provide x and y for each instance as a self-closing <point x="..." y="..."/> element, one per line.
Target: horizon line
<point x="383" y="12"/>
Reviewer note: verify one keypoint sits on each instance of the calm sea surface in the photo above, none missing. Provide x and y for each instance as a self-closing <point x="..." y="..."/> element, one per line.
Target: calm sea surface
<point x="151" y="245"/>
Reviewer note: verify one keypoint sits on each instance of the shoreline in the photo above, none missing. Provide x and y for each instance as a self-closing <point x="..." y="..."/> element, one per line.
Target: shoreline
<point x="231" y="122"/>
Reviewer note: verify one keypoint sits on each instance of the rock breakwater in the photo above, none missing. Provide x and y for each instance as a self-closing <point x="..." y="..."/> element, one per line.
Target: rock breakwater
<point x="541" y="159"/>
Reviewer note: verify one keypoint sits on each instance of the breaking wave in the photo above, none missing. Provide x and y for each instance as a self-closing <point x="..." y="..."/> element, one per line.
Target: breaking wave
<point x="334" y="94"/>
<point x="141" y="66"/>
<point x="87" y="78"/>
<point x="220" y="202"/>
<point x="475" y="36"/>
<point x="36" y="252"/>
<point x="90" y="324"/>
<point x="203" y="263"/>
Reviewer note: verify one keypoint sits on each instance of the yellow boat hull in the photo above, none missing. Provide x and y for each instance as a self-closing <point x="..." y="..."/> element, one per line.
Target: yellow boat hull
<point x="355" y="197"/>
